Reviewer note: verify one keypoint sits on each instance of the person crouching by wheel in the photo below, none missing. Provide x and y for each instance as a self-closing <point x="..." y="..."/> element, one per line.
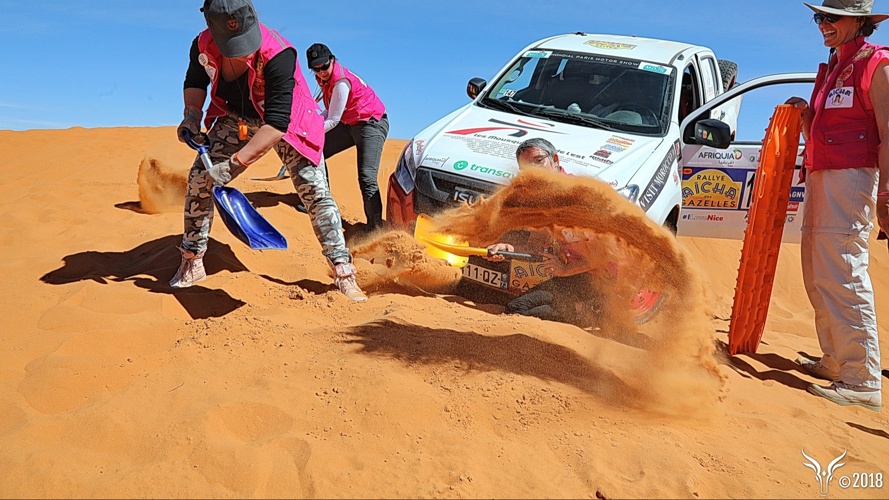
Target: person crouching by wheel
<point x="353" y="116"/>
<point x="259" y="100"/>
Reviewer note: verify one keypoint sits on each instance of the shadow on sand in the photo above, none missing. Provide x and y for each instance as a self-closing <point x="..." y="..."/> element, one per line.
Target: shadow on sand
<point x="150" y="266"/>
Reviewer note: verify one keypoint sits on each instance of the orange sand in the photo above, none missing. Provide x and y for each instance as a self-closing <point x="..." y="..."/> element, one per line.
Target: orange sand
<point x="264" y="382"/>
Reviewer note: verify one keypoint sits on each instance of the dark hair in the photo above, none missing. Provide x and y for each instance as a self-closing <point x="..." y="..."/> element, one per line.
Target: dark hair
<point x="536" y="142"/>
<point x="867" y="27"/>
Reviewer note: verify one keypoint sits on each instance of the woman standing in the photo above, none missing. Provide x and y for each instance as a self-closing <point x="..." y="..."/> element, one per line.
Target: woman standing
<point x="353" y="116"/>
<point x="847" y="184"/>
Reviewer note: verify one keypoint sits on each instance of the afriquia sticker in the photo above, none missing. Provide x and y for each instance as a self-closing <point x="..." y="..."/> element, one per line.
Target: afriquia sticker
<point x="840" y="98"/>
<point x="711" y="188"/>
<point x="599" y="44"/>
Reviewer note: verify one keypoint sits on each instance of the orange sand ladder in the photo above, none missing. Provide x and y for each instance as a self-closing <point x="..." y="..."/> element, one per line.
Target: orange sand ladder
<point x="765" y="228"/>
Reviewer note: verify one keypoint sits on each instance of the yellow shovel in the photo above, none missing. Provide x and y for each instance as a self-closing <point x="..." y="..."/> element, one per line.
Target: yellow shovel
<point x="454" y="250"/>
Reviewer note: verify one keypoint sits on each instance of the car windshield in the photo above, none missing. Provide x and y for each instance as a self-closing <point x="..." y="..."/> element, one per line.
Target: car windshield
<point x="587" y="89"/>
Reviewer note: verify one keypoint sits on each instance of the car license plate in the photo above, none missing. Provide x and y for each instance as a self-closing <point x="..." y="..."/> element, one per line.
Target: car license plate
<point x="488" y="277"/>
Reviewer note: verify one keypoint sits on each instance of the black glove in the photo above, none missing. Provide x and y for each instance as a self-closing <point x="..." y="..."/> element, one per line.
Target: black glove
<point x="191" y="122"/>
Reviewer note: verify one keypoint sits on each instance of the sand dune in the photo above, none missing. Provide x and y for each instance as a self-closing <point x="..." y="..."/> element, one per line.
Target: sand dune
<point x="262" y="381"/>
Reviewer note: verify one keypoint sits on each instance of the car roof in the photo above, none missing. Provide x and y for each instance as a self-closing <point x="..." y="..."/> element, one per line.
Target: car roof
<point x="631" y="47"/>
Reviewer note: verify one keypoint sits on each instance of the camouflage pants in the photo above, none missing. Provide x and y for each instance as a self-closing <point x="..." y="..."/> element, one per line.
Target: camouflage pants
<point x="310" y="182"/>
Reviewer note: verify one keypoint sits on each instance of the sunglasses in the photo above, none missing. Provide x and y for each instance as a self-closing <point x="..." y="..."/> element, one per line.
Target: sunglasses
<point x="831" y="18"/>
<point x="322" y="68"/>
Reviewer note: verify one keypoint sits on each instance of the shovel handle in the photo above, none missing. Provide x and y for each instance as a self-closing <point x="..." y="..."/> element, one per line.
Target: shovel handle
<point x="518" y="255"/>
<point x="200" y="142"/>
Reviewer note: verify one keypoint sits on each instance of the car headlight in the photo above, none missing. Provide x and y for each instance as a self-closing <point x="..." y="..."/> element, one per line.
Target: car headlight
<point x="630" y="192"/>
<point x="406" y="170"/>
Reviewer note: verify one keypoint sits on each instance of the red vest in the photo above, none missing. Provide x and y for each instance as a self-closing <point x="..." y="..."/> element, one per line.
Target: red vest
<point x="306" y="130"/>
<point x="844" y="131"/>
<point x="363" y="103"/>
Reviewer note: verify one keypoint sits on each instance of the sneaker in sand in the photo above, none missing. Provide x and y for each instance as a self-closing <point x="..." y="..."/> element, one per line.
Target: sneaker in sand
<point x="645" y="305"/>
<point x="346" y="282"/>
<point x="817" y="370"/>
<point x="848" y="395"/>
<point x="191" y="269"/>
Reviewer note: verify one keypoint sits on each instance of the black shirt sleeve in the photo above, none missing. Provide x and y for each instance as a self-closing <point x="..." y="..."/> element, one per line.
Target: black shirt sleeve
<point x="279" y="88"/>
<point x="196" y="76"/>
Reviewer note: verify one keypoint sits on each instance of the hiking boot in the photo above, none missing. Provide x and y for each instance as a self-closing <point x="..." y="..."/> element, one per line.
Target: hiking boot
<point x="817" y="370"/>
<point x="645" y="305"/>
<point x="346" y="282"/>
<point x="848" y="395"/>
<point x="191" y="269"/>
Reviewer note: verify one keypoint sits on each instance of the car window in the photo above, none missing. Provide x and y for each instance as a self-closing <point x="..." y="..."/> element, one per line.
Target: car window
<point x="588" y="89"/>
<point x="708" y="75"/>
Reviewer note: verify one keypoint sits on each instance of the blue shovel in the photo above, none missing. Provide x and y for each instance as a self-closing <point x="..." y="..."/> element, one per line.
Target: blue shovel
<point x="239" y="216"/>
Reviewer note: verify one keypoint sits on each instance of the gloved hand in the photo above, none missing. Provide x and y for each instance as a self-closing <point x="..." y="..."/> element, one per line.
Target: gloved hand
<point x="221" y="172"/>
<point x="191" y="122"/>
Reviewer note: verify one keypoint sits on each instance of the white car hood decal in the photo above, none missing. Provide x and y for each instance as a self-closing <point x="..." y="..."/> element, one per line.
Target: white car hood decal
<point x="481" y="144"/>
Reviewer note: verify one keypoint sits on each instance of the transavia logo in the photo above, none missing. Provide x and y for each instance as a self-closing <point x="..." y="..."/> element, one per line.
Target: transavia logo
<point x="460" y="165"/>
<point x="824" y="476"/>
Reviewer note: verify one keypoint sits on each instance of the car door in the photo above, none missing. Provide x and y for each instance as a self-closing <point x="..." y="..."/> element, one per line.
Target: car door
<point x="717" y="184"/>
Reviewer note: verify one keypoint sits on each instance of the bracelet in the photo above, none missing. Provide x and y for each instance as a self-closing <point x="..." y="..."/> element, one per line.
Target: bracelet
<point x="238" y="161"/>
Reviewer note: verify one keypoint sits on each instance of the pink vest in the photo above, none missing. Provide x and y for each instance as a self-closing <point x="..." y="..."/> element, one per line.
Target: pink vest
<point x="306" y="130"/>
<point x="844" y="131"/>
<point x="363" y="103"/>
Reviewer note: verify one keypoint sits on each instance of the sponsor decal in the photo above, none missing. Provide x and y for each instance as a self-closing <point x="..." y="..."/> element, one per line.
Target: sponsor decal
<point x="493" y="172"/>
<point x="842" y="97"/>
<point x="520" y="128"/>
<point x="865" y="52"/>
<point x="655" y="68"/>
<point x="434" y="161"/>
<point x="204" y="61"/>
<point x="847" y="72"/>
<point x="538" y="54"/>
<point x="711" y="188"/>
<point x="614" y="144"/>
<point x="703" y="217"/>
<point x="723" y="157"/>
<point x="651" y="192"/>
<point x="525" y="275"/>
<point x="600" y="44"/>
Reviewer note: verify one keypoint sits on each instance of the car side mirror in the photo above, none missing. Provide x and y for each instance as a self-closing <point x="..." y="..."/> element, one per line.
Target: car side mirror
<point x="713" y="133"/>
<point x="475" y="87"/>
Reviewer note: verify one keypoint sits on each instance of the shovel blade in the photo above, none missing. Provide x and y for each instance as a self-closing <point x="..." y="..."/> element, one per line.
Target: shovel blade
<point x="242" y="219"/>
<point x="437" y="243"/>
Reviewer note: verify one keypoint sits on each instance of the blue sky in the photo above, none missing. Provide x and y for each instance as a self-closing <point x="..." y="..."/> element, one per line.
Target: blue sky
<point x="110" y="63"/>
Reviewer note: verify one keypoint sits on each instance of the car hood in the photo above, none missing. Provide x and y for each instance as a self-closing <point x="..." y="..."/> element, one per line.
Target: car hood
<point x="481" y="143"/>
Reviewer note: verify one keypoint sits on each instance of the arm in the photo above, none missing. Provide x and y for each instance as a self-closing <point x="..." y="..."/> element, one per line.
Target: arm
<point x="338" y="100"/>
<point x="194" y="93"/>
<point x="879" y="96"/>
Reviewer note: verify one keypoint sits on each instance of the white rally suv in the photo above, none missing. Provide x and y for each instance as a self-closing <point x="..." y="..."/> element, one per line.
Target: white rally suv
<point x="611" y="105"/>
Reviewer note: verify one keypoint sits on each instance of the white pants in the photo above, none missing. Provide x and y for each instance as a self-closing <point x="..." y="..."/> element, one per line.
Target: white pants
<point x="837" y="221"/>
